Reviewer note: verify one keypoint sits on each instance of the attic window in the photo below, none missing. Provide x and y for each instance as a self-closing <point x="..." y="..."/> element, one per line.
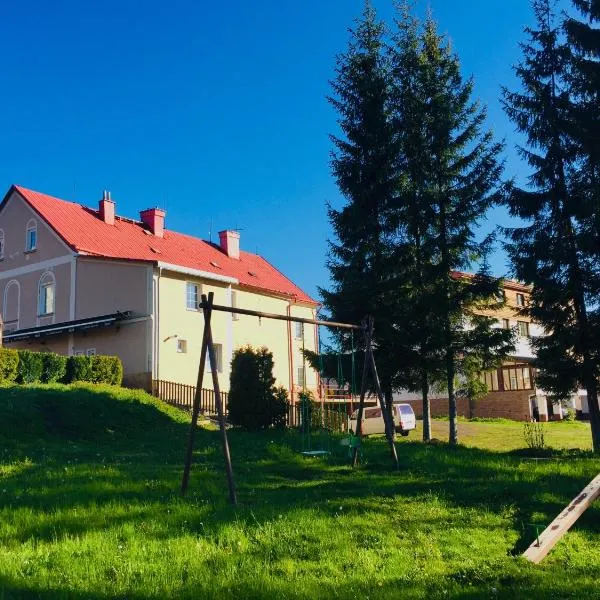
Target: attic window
<point x="252" y="274"/>
<point x="215" y="264"/>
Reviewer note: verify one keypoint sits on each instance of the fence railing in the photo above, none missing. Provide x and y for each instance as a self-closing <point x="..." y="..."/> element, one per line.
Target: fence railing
<point x="182" y="396"/>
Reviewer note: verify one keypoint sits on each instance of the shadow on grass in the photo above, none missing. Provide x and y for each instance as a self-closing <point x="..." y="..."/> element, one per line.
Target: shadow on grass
<point x="89" y="450"/>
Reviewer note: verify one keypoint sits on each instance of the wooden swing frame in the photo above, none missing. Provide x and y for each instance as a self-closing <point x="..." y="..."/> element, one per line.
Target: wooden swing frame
<point x="207" y="305"/>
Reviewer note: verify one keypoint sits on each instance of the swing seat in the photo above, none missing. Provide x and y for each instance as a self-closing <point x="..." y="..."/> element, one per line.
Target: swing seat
<point x="315" y="453"/>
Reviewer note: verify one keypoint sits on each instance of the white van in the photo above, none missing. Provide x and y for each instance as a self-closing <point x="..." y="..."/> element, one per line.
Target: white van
<point x="403" y="414"/>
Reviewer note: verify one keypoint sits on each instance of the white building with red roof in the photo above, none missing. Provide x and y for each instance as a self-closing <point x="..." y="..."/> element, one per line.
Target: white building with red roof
<point x="77" y="280"/>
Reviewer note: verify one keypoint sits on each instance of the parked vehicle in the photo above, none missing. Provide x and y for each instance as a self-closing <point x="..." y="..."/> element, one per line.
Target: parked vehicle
<point x="372" y="423"/>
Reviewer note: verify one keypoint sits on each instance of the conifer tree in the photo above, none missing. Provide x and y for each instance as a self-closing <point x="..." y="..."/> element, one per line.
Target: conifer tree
<point x="462" y="177"/>
<point x="363" y="164"/>
<point x="552" y="251"/>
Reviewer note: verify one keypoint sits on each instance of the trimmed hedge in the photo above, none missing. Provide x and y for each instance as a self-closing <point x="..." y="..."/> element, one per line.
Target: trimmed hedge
<point x="54" y="367"/>
<point x="25" y="366"/>
<point x="9" y="364"/>
<point x="31" y="366"/>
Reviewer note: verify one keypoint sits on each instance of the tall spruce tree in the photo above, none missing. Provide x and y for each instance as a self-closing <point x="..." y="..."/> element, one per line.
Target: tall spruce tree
<point x="363" y="164"/>
<point x="416" y="249"/>
<point x="552" y="251"/>
<point x="583" y="78"/>
<point x="462" y="180"/>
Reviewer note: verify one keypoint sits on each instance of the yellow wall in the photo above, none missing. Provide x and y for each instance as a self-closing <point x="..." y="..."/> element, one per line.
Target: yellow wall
<point x="176" y="322"/>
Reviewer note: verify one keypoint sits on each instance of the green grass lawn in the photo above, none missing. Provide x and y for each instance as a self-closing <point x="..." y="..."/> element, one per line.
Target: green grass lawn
<point x="90" y="508"/>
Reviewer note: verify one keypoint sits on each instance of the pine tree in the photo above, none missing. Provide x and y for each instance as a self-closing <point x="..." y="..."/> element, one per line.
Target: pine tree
<point x="552" y="251"/>
<point x="462" y="177"/>
<point x="363" y="163"/>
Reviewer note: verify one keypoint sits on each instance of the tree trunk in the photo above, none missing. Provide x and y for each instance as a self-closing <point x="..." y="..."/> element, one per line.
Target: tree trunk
<point x="389" y="401"/>
<point x="426" y="407"/>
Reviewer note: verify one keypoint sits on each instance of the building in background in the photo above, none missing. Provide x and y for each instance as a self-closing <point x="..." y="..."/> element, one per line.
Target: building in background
<point x="77" y="280"/>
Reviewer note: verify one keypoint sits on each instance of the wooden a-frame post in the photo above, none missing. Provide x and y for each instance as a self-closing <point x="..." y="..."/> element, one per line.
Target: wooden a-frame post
<point x="369" y="364"/>
<point x="208" y="347"/>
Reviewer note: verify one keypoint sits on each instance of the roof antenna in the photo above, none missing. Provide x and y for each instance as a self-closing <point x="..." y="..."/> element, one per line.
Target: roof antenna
<point x="210" y="230"/>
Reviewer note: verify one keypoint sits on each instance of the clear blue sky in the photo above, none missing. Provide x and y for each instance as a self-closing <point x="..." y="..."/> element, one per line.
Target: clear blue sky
<point x="216" y="111"/>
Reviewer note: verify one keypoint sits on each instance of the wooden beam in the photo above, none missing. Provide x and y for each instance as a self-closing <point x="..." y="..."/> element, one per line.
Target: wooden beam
<point x="552" y="534"/>
<point x="264" y="315"/>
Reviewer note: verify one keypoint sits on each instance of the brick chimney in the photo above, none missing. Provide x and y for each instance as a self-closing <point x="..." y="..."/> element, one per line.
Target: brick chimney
<point x="106" y="209"/>
<point x="154" y="219"/>
<point x="230" y="243"/>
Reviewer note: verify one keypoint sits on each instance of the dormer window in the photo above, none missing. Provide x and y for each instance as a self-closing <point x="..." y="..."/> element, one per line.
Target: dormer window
<point x="31" y="236"/>
<point x="1" y="244"/>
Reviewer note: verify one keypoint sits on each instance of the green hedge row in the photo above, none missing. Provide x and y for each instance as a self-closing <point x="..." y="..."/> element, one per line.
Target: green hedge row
<point x="24" y="366"/>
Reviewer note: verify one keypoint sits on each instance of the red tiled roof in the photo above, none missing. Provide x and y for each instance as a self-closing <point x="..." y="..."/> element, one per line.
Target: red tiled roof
<point x="83" y="230"/>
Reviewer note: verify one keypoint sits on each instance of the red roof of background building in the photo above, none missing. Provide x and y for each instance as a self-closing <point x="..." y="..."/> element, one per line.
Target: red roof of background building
<point x="82" y="229"/>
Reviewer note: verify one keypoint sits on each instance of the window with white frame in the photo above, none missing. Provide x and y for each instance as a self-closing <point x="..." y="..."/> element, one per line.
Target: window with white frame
<point x="523" y="328"/>
<point x="299" y="330"/>
<point x="520" y="299"/>
<point x="234" y="316"/>
<point x="192" y="295"/>
<point x="301" y="377"/>
<point x="90" y="352"/>
<point x="182" y="346"/>
<point x="46" y="294"/>
<point x="1" y="244"/>
<point x="219" y="357"/>
<point x="31" y="236"/>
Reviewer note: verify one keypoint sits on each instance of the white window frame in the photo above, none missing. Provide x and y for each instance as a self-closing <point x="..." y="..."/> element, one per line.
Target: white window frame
<point x="299" y="332"/>
<point x="526" y="328"/>
<point x="219" y="354"/>
<point x="42" y="286"/>
<point x="1" y="244"/>
<point x="301" y="374"/>
<point x="181" y="346"/>
<point x="198" y="287"/>
<point x="31" y="227"/>
<point x="234" y="316"/>
<point x="520" y="299"/>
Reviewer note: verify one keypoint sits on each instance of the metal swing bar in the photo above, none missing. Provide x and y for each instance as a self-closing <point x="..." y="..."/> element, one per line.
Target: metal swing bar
<point x="208" y="348"/>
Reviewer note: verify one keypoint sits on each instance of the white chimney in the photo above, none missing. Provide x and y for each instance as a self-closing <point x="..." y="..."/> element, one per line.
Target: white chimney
<point x="230" y="243"/>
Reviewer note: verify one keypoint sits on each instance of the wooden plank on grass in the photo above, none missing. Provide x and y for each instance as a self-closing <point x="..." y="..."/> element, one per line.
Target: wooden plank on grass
<point x="546" y="541"/>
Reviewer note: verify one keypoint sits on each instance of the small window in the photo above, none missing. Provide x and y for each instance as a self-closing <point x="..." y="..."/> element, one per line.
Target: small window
<point x="520" y="300"/>
<point x="372" y="413"/>
<point x="301" y="377"/>
<point x="1" y="244"/>
<point x="31" y="236"/>
<point x="46" y="293"/>
<point x="90" y="352"/>
<point x="234" y="316"/>
<point x="505" y="324"/>
<point x="218" y="356"/>
<point x="523" y="328"/>
<point x="182" y="346"/>
<point x="299" y="330"/>
<point x="192" y="295"/>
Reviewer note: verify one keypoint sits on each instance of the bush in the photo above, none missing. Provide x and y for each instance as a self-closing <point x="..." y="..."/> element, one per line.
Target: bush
<point x="9" y="364"/>
<point x="107" y="369"/>
<point x="30" y="368"/>
<point x="534" y="435"/>
<point x="254" y="402"/>
<point x="280" y="408"/>
<point x="79" y="368"/>
<point x="570" y="417"/>
<point x="54" y="367"/>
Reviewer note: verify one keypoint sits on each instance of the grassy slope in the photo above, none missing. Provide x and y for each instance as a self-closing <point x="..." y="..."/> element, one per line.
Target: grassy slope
<point x="89" y="509"/>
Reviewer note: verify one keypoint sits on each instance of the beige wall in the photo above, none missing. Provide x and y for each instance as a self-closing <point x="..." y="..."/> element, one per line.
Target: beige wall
<point x="20" y="271"/>
<point x="105" y="287"/>
<point x="14" y="218"/>
<point x="176" y="322"/>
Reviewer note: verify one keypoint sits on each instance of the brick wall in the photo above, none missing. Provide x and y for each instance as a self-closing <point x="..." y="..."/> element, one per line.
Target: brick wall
<point x="507" y="405"/>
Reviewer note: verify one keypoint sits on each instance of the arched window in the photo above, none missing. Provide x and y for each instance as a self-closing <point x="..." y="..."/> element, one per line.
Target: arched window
<point x="1" y="244"/>
<point x="10" y="305"/>
<point x="46" y="294"/>
<point x="31" y="236"/>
